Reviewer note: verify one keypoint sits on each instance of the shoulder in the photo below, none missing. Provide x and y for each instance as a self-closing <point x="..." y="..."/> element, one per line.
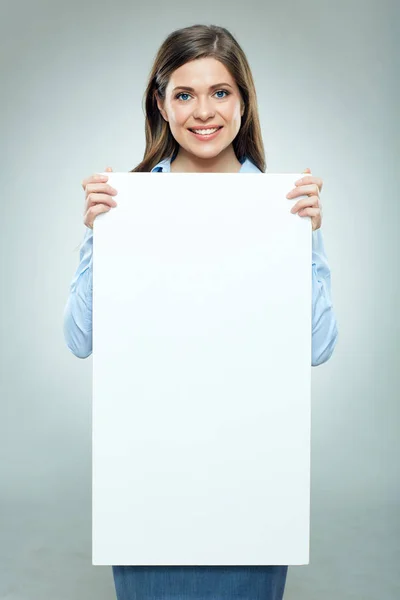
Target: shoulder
<point x="249" y="167"/>
<point x="164" y="166"/>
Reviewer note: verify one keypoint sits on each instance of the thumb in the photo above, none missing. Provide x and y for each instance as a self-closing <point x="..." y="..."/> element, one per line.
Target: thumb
<point x="307" y="170"/>
<point x="108" y="169"/>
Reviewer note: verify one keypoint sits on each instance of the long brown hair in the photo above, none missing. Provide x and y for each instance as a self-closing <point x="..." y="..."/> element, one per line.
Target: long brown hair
<point x="180" y="47"/>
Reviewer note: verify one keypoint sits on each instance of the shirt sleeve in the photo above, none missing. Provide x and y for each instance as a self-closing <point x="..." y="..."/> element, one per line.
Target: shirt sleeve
<point x="324" y="325"/>
<point x="78" y="309"/>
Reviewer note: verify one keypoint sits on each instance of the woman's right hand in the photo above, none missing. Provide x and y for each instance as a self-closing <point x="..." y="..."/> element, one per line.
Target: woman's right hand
<point x="98" y="197"/>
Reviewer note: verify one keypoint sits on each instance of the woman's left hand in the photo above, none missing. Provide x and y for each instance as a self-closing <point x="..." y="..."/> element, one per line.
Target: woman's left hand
<point x="310" y="206"/>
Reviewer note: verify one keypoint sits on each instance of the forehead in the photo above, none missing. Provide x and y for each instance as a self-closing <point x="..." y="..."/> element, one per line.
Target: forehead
<point x="201" y="73"/>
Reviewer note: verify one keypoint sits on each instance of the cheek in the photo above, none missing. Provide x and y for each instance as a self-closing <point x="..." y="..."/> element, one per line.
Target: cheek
<point x="233" y="111"/>
<point x="180" y="114"/>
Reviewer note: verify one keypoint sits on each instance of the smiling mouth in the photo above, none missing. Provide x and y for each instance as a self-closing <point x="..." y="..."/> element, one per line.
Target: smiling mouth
<point x="205" y="129"/>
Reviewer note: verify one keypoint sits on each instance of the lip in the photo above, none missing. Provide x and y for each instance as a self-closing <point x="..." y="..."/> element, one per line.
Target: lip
<point x="212" y="126"/>
<point x="203" y="137"/>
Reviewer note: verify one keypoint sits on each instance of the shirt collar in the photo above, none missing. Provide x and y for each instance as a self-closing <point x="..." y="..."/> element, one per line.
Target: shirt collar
<point x="164" y="166"/>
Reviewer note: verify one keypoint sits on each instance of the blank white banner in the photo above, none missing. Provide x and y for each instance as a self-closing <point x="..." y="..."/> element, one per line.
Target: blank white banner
<point x="201" y="372"/>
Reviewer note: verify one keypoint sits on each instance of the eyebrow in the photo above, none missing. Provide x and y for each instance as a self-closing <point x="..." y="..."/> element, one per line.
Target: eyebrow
<point x="212" y="87"/>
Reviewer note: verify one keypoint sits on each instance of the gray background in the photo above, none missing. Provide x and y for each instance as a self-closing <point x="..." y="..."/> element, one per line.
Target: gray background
<point x="72" y="79"/>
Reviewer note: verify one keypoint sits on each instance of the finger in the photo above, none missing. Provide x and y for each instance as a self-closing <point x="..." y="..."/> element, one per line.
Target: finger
<point x="108" y="168"/>
<point x="309" y="212"/>
<point x="312" y="201"/>
<point x="104" y="188"/>
<point x="308" y="179"/>
<point x="93" y="178"/>
<point x="302" y="190"/>
<point x="93" y="199"/>
<point x="92" y="213"/>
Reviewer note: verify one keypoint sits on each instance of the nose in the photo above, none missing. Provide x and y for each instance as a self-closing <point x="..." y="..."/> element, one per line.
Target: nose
<point x="204" y="109"/>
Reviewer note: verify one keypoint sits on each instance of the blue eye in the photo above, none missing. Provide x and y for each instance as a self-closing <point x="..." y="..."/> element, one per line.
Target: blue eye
<point x="181" y="94"/>
<point x="217" y="92"/>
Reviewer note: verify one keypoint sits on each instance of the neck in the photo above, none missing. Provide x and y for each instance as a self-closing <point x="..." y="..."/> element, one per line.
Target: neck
<point x="224" y="162"/>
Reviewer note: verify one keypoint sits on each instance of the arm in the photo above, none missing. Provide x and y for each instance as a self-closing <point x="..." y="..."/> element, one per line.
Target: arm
<point x="324" y="325"/>
<point x="78" y="310"/>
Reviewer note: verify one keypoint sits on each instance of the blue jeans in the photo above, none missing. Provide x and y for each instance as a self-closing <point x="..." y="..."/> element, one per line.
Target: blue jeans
<point x="199" y="583"/>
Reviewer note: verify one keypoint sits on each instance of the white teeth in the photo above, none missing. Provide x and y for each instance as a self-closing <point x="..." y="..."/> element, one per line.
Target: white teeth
<point x="205" y="131"/>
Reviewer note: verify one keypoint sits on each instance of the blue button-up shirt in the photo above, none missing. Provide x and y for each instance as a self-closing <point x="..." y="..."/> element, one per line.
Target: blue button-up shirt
<point x="78" y="309"/>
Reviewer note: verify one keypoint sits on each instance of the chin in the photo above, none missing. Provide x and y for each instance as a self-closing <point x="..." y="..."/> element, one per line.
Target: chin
<point x="206" y="150"/>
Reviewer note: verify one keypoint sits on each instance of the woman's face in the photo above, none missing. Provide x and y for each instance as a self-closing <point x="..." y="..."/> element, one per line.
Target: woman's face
<point x="214" y="100"/>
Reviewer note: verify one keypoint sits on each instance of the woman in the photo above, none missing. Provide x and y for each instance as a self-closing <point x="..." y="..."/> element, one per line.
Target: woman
<point x="201" y="116"/>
